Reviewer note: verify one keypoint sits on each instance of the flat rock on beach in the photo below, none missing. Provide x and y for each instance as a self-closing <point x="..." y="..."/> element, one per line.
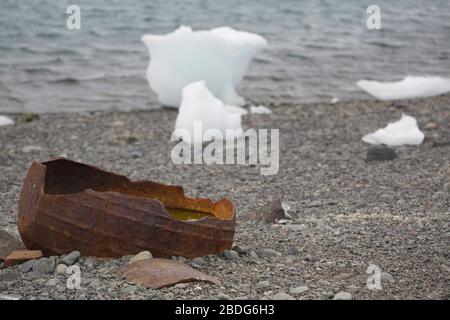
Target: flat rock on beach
<point x="392" y="214"/>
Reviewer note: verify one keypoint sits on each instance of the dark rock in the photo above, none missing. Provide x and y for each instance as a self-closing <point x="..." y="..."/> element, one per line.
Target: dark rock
<point x="8" y="243"/>
<point x="381" y="153"/>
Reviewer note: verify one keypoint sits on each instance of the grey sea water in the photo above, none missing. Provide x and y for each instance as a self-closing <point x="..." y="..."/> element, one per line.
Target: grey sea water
<point x="318" y="49"/>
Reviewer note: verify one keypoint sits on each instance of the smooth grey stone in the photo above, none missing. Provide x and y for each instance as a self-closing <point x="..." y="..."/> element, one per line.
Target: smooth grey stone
<point x="44" y="266"/>
<point x="230" y="255"/>
<point x="27" y="266"/>
<point x="342" y="296"/>
<point x="71" y="258"/>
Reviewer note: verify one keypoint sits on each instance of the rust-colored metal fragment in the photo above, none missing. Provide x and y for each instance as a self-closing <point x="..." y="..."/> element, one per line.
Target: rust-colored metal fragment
<point x="66" y="206"/>
<point x="160" y="273"/>
<point x="20" y="256"/>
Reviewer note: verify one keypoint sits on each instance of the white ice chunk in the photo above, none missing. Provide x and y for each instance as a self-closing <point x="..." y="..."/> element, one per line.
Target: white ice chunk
<point x="260" y="109"/>
<point x="4" y="121"/>
<point x="234" y="109"/>
<point x="218" y="56"/>
<point x="200" y="111"/>
<point x="404" y="131"/>
<point x="335" y="100"/>
<point x="410" y="87"/>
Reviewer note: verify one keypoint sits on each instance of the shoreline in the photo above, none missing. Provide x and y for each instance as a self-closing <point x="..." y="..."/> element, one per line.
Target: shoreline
<point x="249" y="102"/>
<point x="394" y="214"/>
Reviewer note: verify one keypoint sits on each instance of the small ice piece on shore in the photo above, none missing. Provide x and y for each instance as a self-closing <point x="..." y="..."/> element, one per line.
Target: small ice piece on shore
<point x="260" y="109"/>
<point x="409" y="87"/>
<point x="234" y="109"/>
<point x="5" y="121"/>
<point x="404" y="131"/>
<point x="334" y="100"/>
<point x="199" y="106"/>
<point x="219" y="56"/>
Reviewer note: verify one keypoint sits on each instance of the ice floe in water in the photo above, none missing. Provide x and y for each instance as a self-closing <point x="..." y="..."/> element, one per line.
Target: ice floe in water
<point x="4" y="121"/>
<point x="260" y="109"/>
<point x="201" y="115"/>
<point x="218" y="56"/>
<point x="410" y="87"/>
<point x="404" y="131"/>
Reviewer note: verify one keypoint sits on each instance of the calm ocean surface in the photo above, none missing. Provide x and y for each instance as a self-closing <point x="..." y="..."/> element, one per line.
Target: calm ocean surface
<point x="318" y="49"/>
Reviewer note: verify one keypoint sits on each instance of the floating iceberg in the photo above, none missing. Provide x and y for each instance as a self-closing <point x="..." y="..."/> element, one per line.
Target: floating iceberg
<point x="219" y="56"/>
<point x="260" y="109"/>
<point x="404" y="131"/>
<point x="4" y="121"/>
<point x="410" y="87"/>
<point x="201" y="115"/>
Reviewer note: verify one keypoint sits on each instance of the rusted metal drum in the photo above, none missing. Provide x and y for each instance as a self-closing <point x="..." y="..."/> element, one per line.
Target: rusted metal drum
<point x="67" y="205"/>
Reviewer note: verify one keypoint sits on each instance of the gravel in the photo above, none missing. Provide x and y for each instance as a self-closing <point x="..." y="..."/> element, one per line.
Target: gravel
<point x="381" y="153"/>
<point x="298" y="290"/>
<point x="282" y="296"/>
<point x="266" y="253"/>
<point x="262" y="285"/>
<point x="393" y="214"/>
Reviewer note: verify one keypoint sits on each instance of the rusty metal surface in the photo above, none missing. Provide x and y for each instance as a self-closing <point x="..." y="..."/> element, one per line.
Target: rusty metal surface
<point x="20" y="256"/>
<point x="66" y="206"/>
<point x="160" y="273"/>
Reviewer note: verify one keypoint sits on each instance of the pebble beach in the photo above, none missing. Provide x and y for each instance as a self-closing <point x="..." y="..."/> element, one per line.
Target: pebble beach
<point x="347" y="213"/>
